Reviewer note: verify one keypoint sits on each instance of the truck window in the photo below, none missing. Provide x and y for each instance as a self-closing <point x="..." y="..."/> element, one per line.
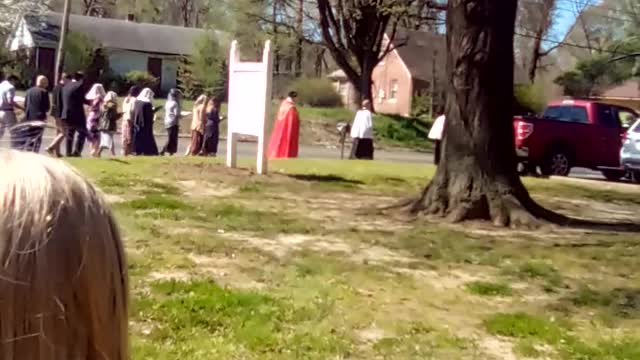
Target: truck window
<point x="606" y="117"/>
<point x="567" y="113"/>
<point x="627" y="118"/>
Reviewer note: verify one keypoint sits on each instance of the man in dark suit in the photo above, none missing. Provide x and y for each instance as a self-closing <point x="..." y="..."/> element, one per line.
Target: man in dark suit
<point x="73" y="115"/>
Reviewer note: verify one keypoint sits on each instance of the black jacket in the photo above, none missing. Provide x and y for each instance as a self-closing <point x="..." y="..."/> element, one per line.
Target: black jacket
<point x="73" y="103"/>
<point x="36" y="103"/>
<point x="56" y="101"/>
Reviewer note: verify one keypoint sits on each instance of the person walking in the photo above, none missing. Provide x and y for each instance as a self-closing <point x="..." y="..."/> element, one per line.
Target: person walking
<point x="95" y="97"/>
<point x="197" y="126"/>
<point x="144" y="142"/>
<point x="172" y="114"/>
<point x="212" y="128"/>
<point x="73" y="115"/>
<point x="56" y="113"/>
<point x="362" y="133"/>
<point x="127" y="120"/>
<point x="108" y="123"/>
<point x="435" y="134"/>
<point x="286" y="131"/>
<point x="37" y="105"/>
<point x="7" y="104"/>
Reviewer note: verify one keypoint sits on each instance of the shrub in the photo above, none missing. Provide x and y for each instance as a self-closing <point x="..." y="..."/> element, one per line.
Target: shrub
<point x="528" y="98"/>
<point x="79" y="52"/>
<point x="141" y="78"/>
<point x="205" y="71"/>
<point x="421" y="106"/>
<point x="316" y="92"/>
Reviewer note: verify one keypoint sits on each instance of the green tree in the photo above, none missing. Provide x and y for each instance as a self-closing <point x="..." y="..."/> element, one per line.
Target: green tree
<point x="79" y="52"/>
<point x="206" y="70"/>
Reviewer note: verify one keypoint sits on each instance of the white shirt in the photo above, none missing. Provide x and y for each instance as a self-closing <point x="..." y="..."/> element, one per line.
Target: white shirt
<point x="437" y="128"/>
<point x="362" y="127"/>
<point x="7" y="94"/>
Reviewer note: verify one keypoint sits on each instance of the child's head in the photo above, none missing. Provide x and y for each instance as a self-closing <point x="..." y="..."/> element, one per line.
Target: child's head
<point x="63" y="280"/>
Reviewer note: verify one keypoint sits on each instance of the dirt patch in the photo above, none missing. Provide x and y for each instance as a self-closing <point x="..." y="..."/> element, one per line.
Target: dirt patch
<point x="226" y="271"/>
<point x="114" y="199"/>
<point x="170" y="275"/>
<point x="206" y="189"/>
<point x="499" y="348"/>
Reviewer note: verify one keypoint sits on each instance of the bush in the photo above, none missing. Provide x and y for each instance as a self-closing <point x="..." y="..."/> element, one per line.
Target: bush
<point x="141" y="78"/>
<point x="79" y="52"/>
<point x="316" y="92"/>
<point x="528" y="99"/>
<point x="421" y="105"/>
<point x="205" y="71"/>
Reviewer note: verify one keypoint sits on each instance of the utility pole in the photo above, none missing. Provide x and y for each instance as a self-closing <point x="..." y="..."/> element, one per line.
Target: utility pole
<point x="64" y="28"/>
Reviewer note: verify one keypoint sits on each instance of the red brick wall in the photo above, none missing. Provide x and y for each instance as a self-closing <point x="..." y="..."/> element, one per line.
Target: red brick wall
<point x="391" y="70"/>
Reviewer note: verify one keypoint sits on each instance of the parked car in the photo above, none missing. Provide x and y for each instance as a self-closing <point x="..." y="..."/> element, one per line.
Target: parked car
<point x="630" y="153"/>
<point x="573" y="133"/>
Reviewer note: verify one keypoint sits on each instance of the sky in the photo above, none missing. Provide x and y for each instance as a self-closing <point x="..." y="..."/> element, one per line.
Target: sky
<point x="565" y="19"/>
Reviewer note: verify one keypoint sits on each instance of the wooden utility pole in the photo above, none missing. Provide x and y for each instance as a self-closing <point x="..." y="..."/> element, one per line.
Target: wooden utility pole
<point x="64" y="28"/>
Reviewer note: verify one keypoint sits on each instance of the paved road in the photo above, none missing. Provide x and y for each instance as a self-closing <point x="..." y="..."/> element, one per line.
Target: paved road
<point x="314" y="152"/>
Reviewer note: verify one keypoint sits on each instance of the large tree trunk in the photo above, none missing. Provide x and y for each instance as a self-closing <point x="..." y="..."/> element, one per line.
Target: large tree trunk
<point x="477" y="176"/>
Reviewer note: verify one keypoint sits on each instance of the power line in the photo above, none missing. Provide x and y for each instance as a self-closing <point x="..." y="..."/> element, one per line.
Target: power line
<point x="564" y="43"/>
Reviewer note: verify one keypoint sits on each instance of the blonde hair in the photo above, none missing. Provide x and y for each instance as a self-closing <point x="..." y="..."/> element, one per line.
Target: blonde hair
<point x="63" y="281"/>
<point x="42" y="81"/>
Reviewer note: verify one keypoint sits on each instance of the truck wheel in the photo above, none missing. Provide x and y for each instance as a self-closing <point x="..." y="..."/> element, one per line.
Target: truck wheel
<point x="558" y="163"/>
<point x="613" y="175"/>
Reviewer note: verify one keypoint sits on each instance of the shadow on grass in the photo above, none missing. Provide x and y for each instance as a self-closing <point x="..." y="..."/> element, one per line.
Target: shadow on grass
<point x="120" y="161"/>
<point x="325" y="179"/>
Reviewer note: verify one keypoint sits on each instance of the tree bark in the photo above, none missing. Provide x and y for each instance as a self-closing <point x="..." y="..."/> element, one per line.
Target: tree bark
<point x="477" y="177"/>
<point x="299" y="38"/>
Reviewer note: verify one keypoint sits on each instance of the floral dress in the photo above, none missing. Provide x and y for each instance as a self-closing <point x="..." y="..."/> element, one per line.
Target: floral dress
<point x="127" y="125"/>
<point x="93" y="119"/>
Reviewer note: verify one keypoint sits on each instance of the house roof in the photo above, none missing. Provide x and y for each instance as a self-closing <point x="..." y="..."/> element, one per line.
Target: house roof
<point x="116" y="34"/>
<point x="417" y="48"/>
<point x="630" y="89"/>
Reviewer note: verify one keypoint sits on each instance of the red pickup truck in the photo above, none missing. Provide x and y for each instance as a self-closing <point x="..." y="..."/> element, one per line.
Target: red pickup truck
<point x="573" y="133"/>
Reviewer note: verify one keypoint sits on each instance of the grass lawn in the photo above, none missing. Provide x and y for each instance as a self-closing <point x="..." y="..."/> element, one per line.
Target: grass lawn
<point x="225" y="264"/>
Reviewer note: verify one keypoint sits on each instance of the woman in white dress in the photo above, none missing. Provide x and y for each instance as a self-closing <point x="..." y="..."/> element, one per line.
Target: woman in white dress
<point x="362" y="133"/>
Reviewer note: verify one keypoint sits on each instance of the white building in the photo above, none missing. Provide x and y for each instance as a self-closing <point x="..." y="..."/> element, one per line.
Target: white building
<point x="127" y="44"/>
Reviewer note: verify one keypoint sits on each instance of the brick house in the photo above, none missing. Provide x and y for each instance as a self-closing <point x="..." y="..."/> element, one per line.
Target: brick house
<point x="626" y="94"/>
<point x="416" y="66"/>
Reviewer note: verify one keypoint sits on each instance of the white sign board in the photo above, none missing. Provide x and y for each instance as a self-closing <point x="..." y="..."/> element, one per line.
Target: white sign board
<point x="249" y="103"/>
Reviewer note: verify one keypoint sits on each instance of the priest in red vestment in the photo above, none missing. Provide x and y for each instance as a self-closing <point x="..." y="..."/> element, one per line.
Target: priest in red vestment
<point x="286" y="130"/>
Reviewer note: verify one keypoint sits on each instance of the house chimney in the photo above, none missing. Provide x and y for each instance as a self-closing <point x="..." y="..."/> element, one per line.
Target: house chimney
<point x="131" y="17"/>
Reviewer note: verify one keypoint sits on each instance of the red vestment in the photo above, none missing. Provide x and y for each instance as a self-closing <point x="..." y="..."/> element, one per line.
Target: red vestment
<point x="286" y="130"/>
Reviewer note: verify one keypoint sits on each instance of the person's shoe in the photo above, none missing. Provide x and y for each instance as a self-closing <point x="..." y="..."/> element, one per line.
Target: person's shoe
<point x="51" y="152"/>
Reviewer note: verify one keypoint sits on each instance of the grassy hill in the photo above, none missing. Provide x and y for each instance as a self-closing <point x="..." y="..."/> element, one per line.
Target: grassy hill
<point x="225" y="264"/>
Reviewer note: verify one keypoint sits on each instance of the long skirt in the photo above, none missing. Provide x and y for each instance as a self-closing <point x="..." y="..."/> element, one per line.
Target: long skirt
<point x="211" y="139"/>
<point x="437" y="151"/>
<point x="196" y="143"/>
<point x="171" y="147"/>
<point x="362" y="149"/>
<point x="127" y="135"/>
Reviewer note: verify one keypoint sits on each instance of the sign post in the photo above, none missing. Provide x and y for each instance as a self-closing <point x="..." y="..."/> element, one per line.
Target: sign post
<point x="250" y="85"/>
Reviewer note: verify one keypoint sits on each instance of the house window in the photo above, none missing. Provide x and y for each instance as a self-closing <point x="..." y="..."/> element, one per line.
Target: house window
<point x="393" y="90"/>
